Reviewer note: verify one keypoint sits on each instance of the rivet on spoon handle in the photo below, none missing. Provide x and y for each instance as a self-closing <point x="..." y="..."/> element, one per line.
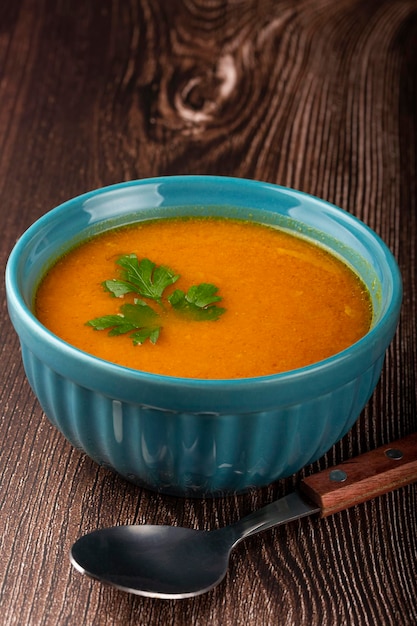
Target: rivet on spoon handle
<point x="364" y="477"/>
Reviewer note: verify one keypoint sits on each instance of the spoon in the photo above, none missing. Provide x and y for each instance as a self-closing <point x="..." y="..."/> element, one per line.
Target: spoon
<point x="174" y="562"/>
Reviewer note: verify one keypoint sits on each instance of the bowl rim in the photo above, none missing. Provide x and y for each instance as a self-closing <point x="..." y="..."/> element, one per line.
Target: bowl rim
<point x="19" y="309"/>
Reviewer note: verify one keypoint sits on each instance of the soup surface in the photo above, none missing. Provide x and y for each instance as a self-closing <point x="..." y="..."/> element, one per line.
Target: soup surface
<point x="289" y="303"/>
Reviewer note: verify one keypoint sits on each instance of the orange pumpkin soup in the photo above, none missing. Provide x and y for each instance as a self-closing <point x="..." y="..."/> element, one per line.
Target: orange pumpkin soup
<point x="288" y="302"/>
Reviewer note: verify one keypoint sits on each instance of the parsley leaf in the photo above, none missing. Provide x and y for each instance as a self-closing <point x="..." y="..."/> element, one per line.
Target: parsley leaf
<point x="150" y="281"/>
<point x="198" y="302"/>
<point x="138" y="317"/>
<point x="144" y="278"/>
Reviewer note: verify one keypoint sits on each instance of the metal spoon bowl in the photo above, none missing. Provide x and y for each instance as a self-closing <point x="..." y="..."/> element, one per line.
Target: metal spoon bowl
<point x="170" y="561"/>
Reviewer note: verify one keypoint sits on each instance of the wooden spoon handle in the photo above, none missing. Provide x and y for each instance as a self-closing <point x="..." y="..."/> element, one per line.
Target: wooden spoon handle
<point x="364" y="477"/>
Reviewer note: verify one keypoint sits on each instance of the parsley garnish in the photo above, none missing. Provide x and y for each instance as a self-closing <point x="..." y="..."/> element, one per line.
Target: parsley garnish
<point x="198" y="302"/>
<point x="150" y="281"/>
<point x="137" y="317"/>
<point x="144" y="278"/>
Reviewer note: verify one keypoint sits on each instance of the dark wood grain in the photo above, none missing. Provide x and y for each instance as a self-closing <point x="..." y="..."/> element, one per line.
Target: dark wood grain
<point x="313" y="94"/>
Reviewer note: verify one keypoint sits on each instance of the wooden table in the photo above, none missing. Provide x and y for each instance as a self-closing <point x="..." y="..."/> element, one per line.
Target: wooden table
<point x="314" y="94"/>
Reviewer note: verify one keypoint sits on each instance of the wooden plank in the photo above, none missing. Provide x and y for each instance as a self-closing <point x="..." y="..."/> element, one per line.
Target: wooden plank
<point x="317" y="95"/>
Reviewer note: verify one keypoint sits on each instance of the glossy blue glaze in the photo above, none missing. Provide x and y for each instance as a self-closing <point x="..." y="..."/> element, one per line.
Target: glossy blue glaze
<point x="189" y="436"/>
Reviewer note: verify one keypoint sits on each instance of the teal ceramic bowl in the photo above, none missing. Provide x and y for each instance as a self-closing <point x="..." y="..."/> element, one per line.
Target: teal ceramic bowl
<point x="195" y="437"/>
